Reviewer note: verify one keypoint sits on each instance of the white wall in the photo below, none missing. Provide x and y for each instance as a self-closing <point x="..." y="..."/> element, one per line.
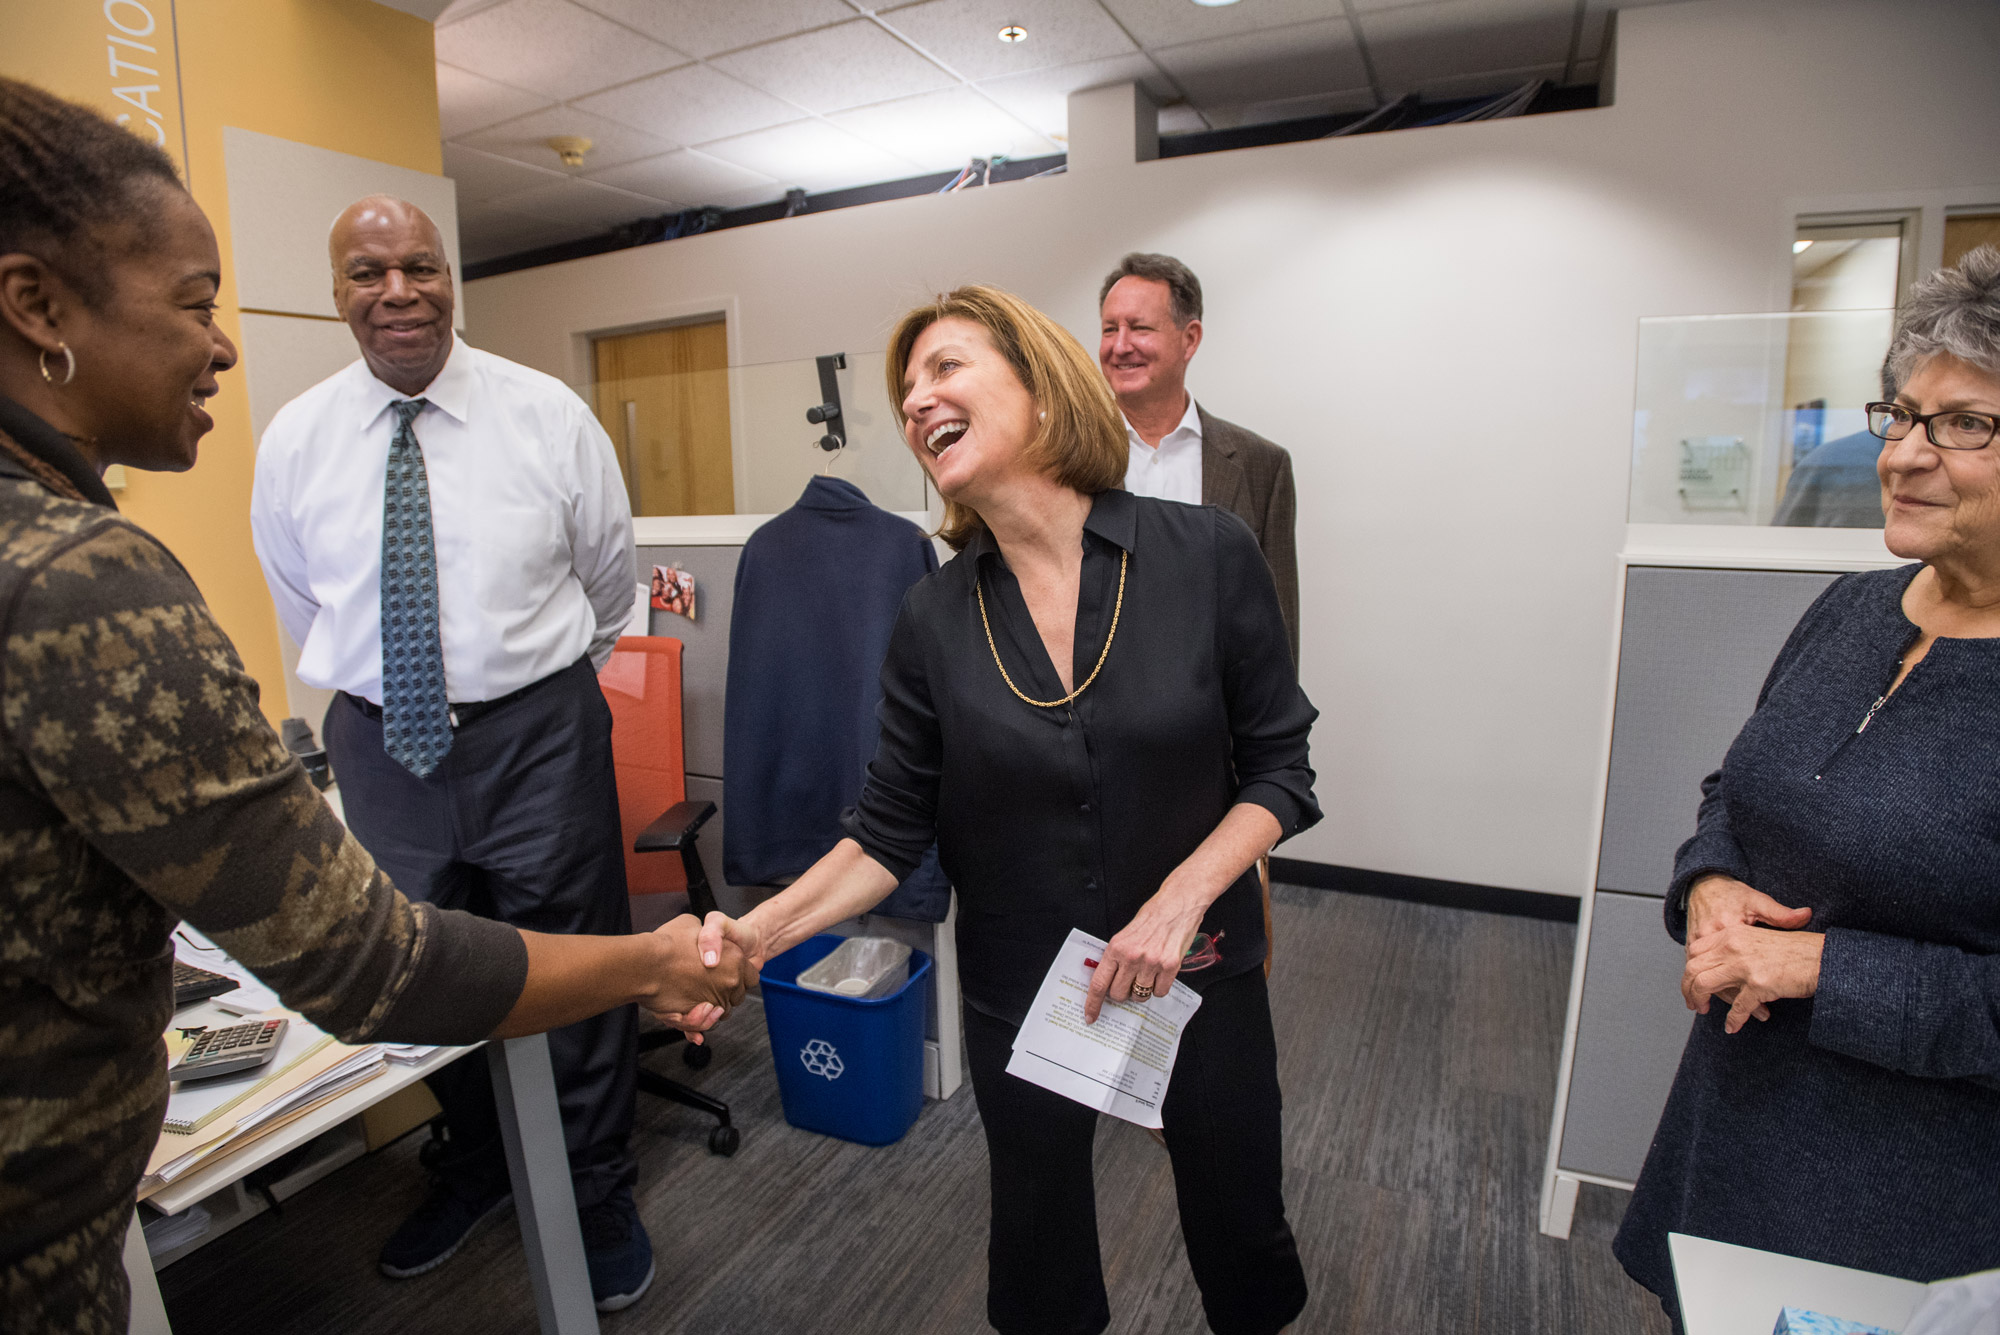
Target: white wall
<point x="1440" y="325"/>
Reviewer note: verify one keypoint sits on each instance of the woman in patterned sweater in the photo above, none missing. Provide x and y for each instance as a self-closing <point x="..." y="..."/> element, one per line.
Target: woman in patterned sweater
<point x="139" y="781"/>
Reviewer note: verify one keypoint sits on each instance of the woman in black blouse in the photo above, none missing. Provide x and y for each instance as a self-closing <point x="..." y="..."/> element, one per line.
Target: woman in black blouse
<point x="1094" y="713"/>
<point x="1839" y="1098"/>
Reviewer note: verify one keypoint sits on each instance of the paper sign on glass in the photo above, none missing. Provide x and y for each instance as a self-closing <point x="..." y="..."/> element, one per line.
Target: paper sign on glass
<point x="1121" y="1064"/>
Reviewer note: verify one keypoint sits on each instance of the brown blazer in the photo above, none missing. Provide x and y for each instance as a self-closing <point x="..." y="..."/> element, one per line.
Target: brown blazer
<point x="1244" y="473"/>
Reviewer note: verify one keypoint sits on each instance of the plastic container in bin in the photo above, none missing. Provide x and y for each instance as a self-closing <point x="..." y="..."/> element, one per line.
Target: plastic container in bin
<point x="860" y="966"/>
<point x="851" y="1067"/>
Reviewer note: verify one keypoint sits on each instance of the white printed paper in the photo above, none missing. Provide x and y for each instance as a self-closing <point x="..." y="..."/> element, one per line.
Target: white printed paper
<point x="1119" y="1065"/>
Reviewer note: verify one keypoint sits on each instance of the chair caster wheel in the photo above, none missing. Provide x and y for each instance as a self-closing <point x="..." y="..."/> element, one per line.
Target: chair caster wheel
<point x="724" y="1140"/>
<point x="697" y="1055"/>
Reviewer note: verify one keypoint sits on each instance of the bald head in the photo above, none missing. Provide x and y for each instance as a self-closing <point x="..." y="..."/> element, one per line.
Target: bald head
<point x="392" y="284"/>
<point x="379" y="213"/>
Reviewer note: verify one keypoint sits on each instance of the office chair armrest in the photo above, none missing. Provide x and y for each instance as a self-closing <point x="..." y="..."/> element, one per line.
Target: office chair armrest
<point x="676" y="827"/>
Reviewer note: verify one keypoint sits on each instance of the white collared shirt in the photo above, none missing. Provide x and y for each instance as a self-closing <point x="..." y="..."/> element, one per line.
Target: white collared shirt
<point x="528" y="513"/>
<point x="1172" y="470"/>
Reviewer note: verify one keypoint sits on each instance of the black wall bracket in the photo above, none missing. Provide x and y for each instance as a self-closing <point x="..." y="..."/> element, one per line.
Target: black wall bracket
<point x="827" y="411"/>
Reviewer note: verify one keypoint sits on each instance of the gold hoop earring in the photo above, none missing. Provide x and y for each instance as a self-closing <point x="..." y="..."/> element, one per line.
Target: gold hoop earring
<point x="69" y="360"/>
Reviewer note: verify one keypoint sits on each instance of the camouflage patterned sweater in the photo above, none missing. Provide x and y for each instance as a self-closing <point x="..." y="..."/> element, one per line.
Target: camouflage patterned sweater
<point x="140" y="784"/>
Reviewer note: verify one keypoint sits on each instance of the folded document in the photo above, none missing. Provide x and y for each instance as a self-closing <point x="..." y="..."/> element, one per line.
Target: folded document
<point x="1120" y="1064"/>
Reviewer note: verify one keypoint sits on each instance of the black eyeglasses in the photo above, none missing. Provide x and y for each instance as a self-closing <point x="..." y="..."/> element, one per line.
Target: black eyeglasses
<point x="1954" y="429"/>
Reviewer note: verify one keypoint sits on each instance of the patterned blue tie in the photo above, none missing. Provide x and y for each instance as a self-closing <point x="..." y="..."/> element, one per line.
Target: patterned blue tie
<point x="416" y="716"/>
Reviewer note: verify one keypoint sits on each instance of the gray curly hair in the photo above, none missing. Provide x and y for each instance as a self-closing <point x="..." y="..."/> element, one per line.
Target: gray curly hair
<point x="1953" y="312"/>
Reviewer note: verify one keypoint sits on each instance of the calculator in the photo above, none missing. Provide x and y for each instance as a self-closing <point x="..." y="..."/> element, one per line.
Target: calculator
<point x="229" y="1050"/>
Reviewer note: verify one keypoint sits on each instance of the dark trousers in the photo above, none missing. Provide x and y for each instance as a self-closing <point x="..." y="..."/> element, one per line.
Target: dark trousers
<point x="1222" y="1127"/>
<point x="520" y="823"/>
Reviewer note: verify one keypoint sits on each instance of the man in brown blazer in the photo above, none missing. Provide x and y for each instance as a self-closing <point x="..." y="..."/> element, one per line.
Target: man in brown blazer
<point x="1150" y="327"/>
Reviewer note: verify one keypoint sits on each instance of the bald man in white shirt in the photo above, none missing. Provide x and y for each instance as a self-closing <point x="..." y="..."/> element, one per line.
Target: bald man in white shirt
<point x="446" y="535"/>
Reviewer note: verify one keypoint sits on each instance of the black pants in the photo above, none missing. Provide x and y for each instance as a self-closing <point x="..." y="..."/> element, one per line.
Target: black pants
<point x="1222" y="1126"/>
<point x="519" y="823"/>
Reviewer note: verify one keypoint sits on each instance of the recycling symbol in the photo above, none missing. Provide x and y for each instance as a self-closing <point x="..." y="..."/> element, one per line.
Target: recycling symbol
<point x="821" y="1059"/>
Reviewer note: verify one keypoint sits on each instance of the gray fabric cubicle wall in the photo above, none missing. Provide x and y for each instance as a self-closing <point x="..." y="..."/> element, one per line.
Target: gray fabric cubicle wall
<point x="704" y="679"/>
<point x="1694" y="649"/>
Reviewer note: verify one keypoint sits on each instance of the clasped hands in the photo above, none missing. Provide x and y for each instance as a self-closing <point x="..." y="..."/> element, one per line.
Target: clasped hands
<point x="1733" y="955"/>
<point x="698" y="985"/>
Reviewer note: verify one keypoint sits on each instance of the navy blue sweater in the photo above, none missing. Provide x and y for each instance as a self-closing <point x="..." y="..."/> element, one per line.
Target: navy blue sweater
<point x="1860" y="1126"/>
<point x="817" y="591"/>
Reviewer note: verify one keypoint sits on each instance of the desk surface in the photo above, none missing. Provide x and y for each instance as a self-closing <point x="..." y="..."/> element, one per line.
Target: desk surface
<point x="213" y="1177"/>
<point x="1729" y="1290"/>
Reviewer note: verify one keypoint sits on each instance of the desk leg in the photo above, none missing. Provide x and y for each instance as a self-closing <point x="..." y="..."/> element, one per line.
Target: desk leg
<point x="524" y="1086"/>
<point x="950" y="1023"/>
<point x="149" y="1314"/>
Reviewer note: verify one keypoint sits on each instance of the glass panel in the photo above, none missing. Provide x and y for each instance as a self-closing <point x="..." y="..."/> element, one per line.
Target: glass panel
<point x="1758" y="419"/>
<point x="669" y="430"/>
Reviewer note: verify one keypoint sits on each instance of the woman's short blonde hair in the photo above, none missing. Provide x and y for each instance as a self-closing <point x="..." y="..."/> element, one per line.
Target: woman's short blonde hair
<point x="1081" y="441"/>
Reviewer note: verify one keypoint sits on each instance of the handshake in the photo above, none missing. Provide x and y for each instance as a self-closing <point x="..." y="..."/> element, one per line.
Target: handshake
<point x="691" y="993"/>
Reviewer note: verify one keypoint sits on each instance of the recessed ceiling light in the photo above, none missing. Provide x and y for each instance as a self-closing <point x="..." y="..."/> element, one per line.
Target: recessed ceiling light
<point x="1214" y="4"/>
<point x="1012" y="33"/>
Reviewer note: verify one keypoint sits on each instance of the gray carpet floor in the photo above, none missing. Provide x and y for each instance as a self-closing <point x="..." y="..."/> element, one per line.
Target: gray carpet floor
<point x="1417" y="1050"/>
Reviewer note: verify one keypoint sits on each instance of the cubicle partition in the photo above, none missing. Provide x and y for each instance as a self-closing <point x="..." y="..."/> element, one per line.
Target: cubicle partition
<point x="1720" y="562"/>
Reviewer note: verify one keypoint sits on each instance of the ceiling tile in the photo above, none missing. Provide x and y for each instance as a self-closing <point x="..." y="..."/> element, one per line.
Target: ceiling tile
<point x="584" y="207"/>
<point x="526" y="139"/>
<point x="691" y="105"/>
<point x="849" y="66"/>
<point x="688" y="177"/>
<point x="964" y="34"/>
<point x="708" y="27"/>
<point x="813" y="156"/>
<point x="1174" y="22"/>
<point x="468" y="102"/>
<point x="551" y="46"/>
<point x="1267" y="66"/>
<point x="1042" y="98"/>
<point x="1414" y="46"/>
<point x="482" y="176"/>
<point x="942" y="130"/>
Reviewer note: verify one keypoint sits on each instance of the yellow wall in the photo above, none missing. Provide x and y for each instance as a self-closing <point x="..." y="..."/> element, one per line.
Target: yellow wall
<point x="349" y="75"/>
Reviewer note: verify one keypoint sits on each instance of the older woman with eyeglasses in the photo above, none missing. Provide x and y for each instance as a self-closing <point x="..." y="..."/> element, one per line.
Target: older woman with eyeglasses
<point x="1839" y="1097"/>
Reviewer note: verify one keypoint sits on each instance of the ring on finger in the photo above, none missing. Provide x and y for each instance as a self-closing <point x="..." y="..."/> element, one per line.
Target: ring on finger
<point x="1142" y="991"/>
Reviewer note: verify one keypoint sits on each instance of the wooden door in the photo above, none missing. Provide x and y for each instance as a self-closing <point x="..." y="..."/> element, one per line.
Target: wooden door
<point x="663" y="395"/>
<point x="1968" y="231"/>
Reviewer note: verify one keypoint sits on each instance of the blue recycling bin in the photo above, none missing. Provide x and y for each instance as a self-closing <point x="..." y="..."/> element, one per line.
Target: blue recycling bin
<point x="847" y="1066"/>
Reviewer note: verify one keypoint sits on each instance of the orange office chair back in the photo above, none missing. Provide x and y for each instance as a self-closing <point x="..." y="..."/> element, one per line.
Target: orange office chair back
<point x="642" y="684"/>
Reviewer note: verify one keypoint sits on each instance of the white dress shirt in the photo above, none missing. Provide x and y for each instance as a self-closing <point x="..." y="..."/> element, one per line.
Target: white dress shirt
<point x="1170" y="471"/>
<point x="528" y="512"/>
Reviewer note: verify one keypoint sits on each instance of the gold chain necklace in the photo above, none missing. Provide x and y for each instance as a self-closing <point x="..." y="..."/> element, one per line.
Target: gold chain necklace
<point x="1116" y="608"/>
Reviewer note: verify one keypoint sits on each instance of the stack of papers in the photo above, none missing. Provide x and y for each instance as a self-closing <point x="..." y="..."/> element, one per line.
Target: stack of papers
<point x="208" y="1119"/>
<point x="406" y="1054"/>
<point x="1120" y="1064"/>
<point x="193" y="1104"/>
